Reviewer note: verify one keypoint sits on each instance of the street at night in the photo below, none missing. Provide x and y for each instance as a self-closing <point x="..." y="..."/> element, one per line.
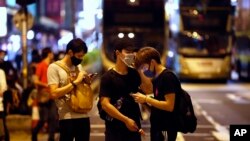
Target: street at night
<point x="52" y="51"/>
<point x="216" y="106"/>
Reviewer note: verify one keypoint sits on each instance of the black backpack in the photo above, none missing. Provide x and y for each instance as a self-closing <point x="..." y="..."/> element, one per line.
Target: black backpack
<point x="187" y="121"/>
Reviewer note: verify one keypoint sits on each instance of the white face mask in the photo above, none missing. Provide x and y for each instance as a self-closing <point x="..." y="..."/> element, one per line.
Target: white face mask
<point x="129" y="60"/>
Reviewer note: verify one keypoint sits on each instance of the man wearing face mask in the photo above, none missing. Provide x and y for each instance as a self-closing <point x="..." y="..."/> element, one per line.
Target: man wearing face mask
<point x="116" y="86"/>
<point x="165" y="88"/>
<point x="72" y="125"/>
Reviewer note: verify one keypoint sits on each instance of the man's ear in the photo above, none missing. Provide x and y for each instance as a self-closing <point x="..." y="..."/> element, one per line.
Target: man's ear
<point x="117" y="52"/>
<point x="153" y="61"/>
<point x="70" y="53"/>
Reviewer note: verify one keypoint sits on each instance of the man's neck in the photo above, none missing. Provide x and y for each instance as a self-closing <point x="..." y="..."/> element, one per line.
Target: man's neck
<point x="47" y="60"/>
<point x="121" y="68"/>
<point x="159" y="68"/>
<point x="66" y="60"/>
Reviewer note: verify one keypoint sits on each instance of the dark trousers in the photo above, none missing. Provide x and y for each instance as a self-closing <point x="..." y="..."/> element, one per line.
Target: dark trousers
<point x="6" y="131"/>
<point x="78" y="129"/>
<point x="118" y="134"/>
<point x="47" y="113"/>
<point x="156" y="135"/>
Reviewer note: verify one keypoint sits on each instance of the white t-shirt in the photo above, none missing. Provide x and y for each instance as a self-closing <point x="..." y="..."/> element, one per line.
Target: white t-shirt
<point x="57" y="75"/>
<point x="3" y="88"/>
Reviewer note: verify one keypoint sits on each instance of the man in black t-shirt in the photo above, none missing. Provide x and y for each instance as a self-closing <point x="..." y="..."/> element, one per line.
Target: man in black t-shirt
<point x="165" y="87"/>
<point x="123" y="121"/>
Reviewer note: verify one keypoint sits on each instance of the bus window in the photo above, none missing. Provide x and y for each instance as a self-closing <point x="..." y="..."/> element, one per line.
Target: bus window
<point x="204" y="39"/>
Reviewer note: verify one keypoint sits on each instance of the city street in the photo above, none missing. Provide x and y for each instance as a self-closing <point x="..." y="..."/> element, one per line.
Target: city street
<point x="201" y="40"/>
<point x="216" y="106"/>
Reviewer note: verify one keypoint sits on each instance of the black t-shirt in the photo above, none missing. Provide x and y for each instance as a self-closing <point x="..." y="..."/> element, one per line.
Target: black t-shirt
<point x="164" y="84"/>
<point x="116" y="86"/>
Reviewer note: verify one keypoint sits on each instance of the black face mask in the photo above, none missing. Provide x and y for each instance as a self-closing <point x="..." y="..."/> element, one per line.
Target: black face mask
<point x="75" y="61"/>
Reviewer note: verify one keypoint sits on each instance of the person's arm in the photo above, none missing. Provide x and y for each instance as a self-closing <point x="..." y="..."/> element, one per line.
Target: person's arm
<point x="54" y="80"/>
<point x="167" y="104"/>
<point x="3" y="83"/>
<point x="112" y="111"/>
<point x="38" y="74"/>
<point x="146" y="84"/>
<point x="57" y="91"/>
<point x="38" y="82"/>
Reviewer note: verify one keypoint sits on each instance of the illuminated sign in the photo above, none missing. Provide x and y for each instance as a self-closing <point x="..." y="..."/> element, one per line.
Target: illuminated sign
<point x="3" y="21"/>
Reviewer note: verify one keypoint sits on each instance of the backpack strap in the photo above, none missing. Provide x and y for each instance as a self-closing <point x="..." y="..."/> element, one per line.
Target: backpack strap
<point x="63" y="67"/>
<point x="68" y="71"/>
<point x="178" y="82"/>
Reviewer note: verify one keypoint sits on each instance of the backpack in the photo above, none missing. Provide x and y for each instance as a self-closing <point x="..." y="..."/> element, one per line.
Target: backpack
<point x="105" y="116"/>
<point x="80" y="99"/>
<point x="186" y="119"/>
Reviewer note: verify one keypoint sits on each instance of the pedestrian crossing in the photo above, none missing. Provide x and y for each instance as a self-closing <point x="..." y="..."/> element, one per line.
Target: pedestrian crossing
<point x="208" y="128"/>
<point x="220" y="132"/>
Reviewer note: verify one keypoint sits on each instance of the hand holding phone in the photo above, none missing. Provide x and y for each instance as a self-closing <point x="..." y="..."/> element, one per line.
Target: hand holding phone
<point x="92" y="75"/>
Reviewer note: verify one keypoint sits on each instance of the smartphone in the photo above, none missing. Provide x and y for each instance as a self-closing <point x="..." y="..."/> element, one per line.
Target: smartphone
<point x="93" y="75"/>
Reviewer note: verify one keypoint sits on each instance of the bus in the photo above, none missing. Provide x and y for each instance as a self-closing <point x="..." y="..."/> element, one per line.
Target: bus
<point x="141" y="21"/>
<point x="204" y="40"/>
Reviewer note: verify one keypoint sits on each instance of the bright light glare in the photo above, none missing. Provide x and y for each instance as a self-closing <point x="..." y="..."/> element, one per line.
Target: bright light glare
<point x="170" y="54"/>
<point x="132" y="1"/>
<point x="3" y="21"/>
<point x="14" y="43"/>
<point x="99" y="14"/>
<point x="38" y="36"/>
<point x="195" y="12"/>
<point x="65" y="38"/>
<point x="131" y="35"/>
<point x="30" y="35"/>
<point x="121" y="35"/>
<point x="174" y="27"/>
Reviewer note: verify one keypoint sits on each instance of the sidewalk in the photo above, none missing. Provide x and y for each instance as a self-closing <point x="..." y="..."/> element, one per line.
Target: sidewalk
<point x="26" y="136"/>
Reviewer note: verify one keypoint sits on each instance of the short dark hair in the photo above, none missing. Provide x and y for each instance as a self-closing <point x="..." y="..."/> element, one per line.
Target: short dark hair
<point x="45" y="52"/>
<point x="120" y="44"/>
<point x="77" y="45"/>
<point x="145" y="55"/>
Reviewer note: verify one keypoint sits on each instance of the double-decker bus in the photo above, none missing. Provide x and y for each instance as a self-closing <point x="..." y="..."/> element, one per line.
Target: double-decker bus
<point x="204" y="39"/>
<point x="141" y="21"/>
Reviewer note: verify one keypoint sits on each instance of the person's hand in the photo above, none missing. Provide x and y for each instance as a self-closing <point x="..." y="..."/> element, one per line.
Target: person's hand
<point x="131" y="125"/>
<point x="87" y="79"/>
<point x="139" y="98"/>
<point x="80" y="77"/>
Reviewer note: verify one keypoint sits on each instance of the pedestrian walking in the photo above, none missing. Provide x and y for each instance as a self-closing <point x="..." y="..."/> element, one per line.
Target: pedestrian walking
<point x="163" y="119"/>
<point x="122" y="122"/>
<point x="47" y="107"/>
<point x="72" y="125"/>
<point x="4" y="133"/>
